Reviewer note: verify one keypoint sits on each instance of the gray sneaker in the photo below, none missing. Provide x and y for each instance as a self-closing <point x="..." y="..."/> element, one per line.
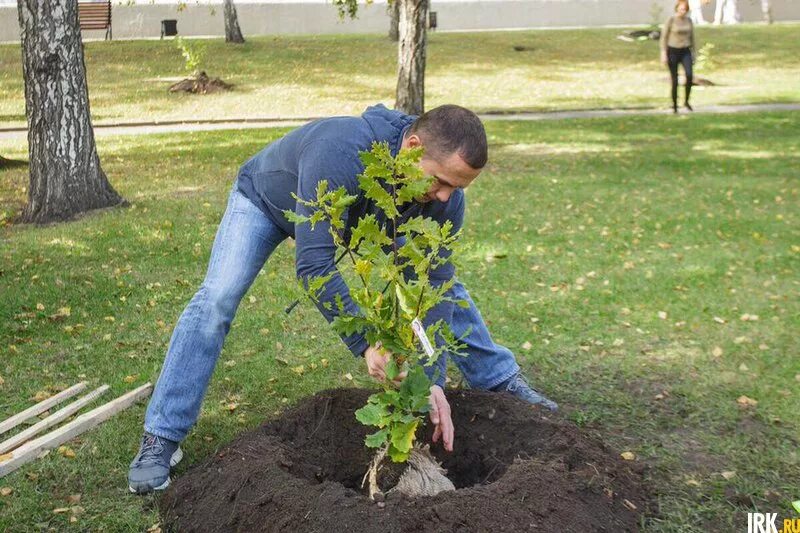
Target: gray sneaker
<point x="149" y="470"/>
<point x="519" y="387"/>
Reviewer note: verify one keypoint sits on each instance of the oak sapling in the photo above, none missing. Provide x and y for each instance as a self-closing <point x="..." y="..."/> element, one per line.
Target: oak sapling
<point x="391" y="257"/>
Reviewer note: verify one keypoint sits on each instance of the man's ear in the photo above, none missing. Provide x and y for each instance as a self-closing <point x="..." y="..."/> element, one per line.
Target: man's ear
<point x="413" y="140"/>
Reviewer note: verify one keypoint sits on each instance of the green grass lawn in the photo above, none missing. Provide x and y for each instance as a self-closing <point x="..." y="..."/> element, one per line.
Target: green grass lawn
<point x="326" y="75"/>
<point x="619" y="258"/>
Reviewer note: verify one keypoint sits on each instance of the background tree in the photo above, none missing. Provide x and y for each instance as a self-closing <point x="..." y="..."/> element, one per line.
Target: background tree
<point x="727" y="12"/>
<point x="233" y="34"/>
<point x="65" y="174"/>
<point x="411" y="56"/>
<point x="766" y="11"/>
<point x="393" y="8"/>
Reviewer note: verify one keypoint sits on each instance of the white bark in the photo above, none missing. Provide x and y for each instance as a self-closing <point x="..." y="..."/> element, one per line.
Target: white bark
<point x="233" y="34"/>
<point x="411" y="56"/>
<point x="766" y="11"/>
<point x="727" y="12"/>
<point x="696" y="12"/>
<point x="65" y="174"/>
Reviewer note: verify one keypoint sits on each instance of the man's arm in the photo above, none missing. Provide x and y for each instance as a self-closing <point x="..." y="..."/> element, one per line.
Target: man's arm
<point x="325" y="160"/>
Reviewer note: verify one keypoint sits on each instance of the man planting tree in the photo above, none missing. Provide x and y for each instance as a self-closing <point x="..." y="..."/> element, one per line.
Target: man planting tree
<point x="254" y="224"/>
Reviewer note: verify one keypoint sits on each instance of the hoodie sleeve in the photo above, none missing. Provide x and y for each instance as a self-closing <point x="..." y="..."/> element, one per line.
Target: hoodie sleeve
<point x="315" y="253"/>
<point x="453" y="211"/>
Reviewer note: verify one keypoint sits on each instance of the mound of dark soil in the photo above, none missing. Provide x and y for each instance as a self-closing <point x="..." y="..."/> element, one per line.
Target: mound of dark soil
<point x="515" y="469"/>
<point x="200" y="84"/>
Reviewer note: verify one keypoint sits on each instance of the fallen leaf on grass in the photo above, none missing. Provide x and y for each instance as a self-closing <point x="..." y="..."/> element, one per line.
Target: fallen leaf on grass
<point x="131" y="378"/>
<point x="743" y="368"/>
<point x="61" y="510"/>
<point x="66" y="451"/>
<point x="231" y="363"/>
<point x="299" y="370"/>
<point x="692" y="482"/>
<point x="74" y="498"/>
<point x="155" y="528"/>
<point x="719" y="320"/>
<point x="748" y="317"/>
<point x="348" y="376"/>
<point x="324" y="363"/>
<point x="6" y="491"/>
<point x="40" y="307"/>
<point x="628" y="456"/>
<point x="618" y="342"/>
<point x="746" y="402"/>
<point x="527" y="345"/>
<point x="252" y="299"/>
<point x="232" y="406"/>
<point x="662" y="315"/>
<point x="2" y="381"/>
<point x="41" y="396"/>
<point x="717" y="351"/>
<point x="63" y="312"/>
<point x="728" y="474"/>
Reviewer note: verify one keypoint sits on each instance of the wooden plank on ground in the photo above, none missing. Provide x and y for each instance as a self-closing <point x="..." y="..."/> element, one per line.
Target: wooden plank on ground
<point x="52" y="420"/>
<point x="33" y="449"/>
<point x="41" y="407"/>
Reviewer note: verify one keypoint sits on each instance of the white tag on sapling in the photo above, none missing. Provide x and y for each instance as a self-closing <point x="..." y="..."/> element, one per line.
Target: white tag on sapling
<point x="419" y="331"/>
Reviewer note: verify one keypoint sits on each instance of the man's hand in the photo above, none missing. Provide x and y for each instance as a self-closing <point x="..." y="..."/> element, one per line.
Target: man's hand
<point x="440" y="416"/>
<point x="663" y="58"/>
<point x="377" y="358"/>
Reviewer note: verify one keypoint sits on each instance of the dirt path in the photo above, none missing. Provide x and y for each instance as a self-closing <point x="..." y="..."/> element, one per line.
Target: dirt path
<point x="145" y="128"/>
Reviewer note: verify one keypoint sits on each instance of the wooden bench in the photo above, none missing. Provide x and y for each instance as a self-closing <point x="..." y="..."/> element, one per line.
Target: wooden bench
<point x="95" y="15"/>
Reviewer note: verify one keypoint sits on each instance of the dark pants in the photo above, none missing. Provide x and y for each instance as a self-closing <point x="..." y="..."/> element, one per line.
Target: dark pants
<point x="674" y="57"/>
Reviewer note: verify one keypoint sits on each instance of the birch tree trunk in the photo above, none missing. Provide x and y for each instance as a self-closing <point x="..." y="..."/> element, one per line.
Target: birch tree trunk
<point x="696" y="12"/>
<point x="766" y="11"/>
<point x="65" y="174"/>
<point x="394" y="18"/>
<point x="232" y="32"/>
<point x="411" y="56"/>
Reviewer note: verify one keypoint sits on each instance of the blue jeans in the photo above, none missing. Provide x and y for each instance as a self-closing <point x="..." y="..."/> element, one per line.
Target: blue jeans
<point x="245" y="239"/>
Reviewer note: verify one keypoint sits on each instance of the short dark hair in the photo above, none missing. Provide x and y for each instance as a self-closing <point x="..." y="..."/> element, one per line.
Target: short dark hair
<point x="449" y="129"/>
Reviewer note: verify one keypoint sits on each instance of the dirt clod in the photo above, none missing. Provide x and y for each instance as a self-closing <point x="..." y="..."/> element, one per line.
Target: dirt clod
<point x="303" y="471"/>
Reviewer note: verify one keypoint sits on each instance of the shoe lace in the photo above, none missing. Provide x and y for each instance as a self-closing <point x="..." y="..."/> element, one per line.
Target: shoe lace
<point x="152" y="447"/>
<point x="520" y="380"/>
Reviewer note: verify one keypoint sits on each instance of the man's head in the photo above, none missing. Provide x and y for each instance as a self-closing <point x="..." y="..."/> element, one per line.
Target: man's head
<point x="455" y="148"/>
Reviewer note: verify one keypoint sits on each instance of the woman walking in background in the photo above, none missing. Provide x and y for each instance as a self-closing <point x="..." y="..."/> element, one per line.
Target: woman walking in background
<point x="678" y="46"/>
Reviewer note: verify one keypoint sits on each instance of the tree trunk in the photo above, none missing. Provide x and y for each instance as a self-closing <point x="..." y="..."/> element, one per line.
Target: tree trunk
<point x="232" y="32"/>
<point x="696" y="11"/>
<point x="411" y="56"/>
<point x="727" y="12"/>
<point x="393" y="7"/>
<point x="65" y="174"/>
<point x="766" y="11"/>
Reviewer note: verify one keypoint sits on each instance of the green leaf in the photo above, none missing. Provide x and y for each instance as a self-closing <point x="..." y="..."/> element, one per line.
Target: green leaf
<point x="403" y="434"/>
<point x="294" y="218"/>
<point x="796" y="505"/>
<point x="369" y="231"/>
<point x="372" y="414"/>
<point x="374" y="191"/>
<point x="413" y="189"/>
<point x="377" y="439"/>
<point x="391" y="369"/>
<point x="397" y="456"/>
<point x="416" y="383"/>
